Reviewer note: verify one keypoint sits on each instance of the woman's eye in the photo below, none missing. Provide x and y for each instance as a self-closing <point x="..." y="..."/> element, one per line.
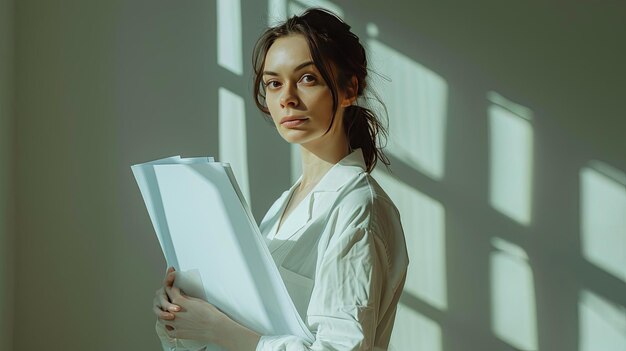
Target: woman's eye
<point x="308" y="78"/>
<point x="272" y="84"/>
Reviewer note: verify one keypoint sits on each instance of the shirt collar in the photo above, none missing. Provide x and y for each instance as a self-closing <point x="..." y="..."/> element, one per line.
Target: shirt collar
<point x="344" y="170"/>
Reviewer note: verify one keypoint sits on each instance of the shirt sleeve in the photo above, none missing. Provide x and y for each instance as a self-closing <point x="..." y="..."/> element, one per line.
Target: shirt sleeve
<point x="343" y="310"/>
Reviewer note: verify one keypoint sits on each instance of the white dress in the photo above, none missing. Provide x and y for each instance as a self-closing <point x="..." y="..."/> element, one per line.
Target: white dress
<point x="342" y="255"/>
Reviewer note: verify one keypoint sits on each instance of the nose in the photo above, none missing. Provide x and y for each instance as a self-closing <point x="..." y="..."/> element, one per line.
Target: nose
<point x="288" y="97"/>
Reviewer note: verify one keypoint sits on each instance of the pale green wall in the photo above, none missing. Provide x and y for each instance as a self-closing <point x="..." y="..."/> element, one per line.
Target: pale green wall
<point x="83" y="282"/>
<point x="7" y="181"/>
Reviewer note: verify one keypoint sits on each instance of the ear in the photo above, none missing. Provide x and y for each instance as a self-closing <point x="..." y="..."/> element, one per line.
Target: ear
<point x="351" y="92"/>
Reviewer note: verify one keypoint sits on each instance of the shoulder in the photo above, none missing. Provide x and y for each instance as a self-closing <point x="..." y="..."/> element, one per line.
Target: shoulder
<point x="364" y="209"/>
<point x="362" y="202"/>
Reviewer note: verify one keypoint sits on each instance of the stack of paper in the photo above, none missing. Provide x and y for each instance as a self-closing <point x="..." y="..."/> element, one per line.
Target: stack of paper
<point x="208" y="234"/>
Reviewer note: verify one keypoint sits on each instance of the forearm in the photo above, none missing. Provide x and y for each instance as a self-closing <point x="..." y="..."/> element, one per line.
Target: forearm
<point x="236" y="337"/>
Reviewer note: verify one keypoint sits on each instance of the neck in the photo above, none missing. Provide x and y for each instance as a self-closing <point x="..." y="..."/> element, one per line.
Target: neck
<point x="318" y="159"/>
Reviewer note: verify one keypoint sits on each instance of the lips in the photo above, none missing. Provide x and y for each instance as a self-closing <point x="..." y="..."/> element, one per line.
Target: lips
<point x="292" y="121"/>
<point x="292" y="118"/>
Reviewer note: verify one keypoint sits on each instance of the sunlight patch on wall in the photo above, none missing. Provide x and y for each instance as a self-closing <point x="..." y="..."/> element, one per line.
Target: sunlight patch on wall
<point x="423" y="221"/>
<point x="229" y="35"/>
<point x="416" y="100"/>
<point x="511" y="158"/>
<point x="414" y="331"/>
<point x="232" y="137"/>
<point x="602" y="324"/>
<point x="278" y="10"/>
<point x="603" y="217"/>
<point x="296" y="162"/>
<point x="513" y="307"/>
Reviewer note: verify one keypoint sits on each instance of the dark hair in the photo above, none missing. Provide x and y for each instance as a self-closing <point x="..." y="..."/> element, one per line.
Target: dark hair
<point x="331" y="42"/>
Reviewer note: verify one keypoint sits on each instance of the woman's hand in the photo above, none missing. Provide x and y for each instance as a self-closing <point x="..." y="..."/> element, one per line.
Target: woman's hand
<point x="161" y="305"/>
<point x="196" y="320"/>
<point x="182" y="317"/>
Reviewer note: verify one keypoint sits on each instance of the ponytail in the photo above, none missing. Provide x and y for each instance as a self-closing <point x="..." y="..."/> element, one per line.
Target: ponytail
<point x="364" y="130"/>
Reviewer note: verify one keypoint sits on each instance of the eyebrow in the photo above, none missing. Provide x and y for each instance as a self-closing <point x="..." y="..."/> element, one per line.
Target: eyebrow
<point x="299" y="67"/>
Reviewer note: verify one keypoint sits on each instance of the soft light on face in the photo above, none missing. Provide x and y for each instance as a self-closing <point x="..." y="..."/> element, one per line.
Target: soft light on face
<point x="299" y="100"/>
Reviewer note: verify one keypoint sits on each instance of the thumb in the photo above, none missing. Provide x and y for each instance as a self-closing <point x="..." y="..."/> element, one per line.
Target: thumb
<point x="176" y="292"/>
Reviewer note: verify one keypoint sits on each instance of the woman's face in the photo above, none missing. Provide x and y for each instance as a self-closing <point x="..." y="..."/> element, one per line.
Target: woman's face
<point x="298" y="99"/>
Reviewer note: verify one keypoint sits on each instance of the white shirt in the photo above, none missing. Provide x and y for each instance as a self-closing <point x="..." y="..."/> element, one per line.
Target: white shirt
<point x="342" y="256"/>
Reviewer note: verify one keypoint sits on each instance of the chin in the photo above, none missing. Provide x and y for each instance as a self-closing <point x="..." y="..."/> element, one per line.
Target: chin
<point x="295" y="136"/>
<point x="292" y="140"/>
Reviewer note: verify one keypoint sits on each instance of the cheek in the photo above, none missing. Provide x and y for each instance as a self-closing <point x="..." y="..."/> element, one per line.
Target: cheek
<point x="323" y="97"/>
<point x="272" y="106"/>
<point x="323" y="104"/>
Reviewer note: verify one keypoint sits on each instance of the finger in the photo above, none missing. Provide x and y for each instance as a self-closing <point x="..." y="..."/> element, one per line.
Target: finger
<point x="170" y="329"/>
<point x="158" y="301"/>
<point x="170" y="307"/>
<point x="170" y="295"/>
<point x="169" y="272"/>
<point x="163" y="306"/>
<point x="175" y="294"/>
<point x="170" y="332"/>
<point x="163" y="315"/>
<point x="169" y="279"/>
<point x="165" y="303"/>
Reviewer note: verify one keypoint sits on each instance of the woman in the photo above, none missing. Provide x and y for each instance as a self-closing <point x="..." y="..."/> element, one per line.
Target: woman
<point x="335" y="235"/>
